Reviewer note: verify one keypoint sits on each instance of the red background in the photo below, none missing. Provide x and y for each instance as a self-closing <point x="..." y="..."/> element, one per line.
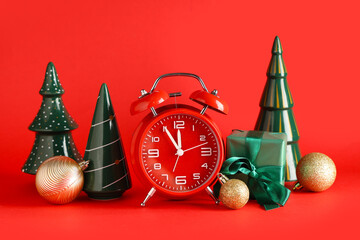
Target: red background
<point x="127" y="44"/>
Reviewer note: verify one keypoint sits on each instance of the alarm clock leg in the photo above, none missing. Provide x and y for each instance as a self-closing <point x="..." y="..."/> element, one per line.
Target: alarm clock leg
<point x="211" y="194"/>
<point x="148" y="196"/>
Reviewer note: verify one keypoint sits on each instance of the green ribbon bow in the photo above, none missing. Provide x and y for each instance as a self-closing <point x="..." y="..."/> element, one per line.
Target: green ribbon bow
<point x="267" y="193"/>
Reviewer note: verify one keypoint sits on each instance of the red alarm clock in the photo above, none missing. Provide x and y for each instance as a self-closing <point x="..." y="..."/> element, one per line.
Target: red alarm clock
<point x="177" y="149"/>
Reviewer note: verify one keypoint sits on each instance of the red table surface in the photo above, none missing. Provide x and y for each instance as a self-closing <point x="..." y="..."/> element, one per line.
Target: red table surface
<point x="128" y="44"/>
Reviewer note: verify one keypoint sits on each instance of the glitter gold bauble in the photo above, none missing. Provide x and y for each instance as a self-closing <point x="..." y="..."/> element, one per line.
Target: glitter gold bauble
<point x="234" y="194"/>
<point x="60" y="179"/>
<point x="316" y="172"/>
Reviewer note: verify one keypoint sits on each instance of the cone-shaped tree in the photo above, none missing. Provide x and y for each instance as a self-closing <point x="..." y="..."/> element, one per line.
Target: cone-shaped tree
<point x="52" y="124"/>
<point x="276" y="114"/>
<point x="107" y="175"/>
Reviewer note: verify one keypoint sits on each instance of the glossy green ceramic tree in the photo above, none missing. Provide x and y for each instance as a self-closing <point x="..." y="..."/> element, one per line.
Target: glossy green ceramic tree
<point x="52" y="124"/>
<point x="276" y="114"/>
<point x="107" y="175"/>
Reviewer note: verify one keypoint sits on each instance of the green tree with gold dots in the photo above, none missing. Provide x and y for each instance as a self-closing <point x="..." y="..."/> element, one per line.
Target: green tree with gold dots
<point x="52" y="125"/>
<point x="276" y="114"/>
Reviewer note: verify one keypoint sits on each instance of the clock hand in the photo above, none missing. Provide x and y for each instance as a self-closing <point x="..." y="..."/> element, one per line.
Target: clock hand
<point x="180" y="152"/>
<point x="171" y="138"/>
<point x="179" y="139"/>
<point x="195" y="147"/>
<point x="176" y="163"/>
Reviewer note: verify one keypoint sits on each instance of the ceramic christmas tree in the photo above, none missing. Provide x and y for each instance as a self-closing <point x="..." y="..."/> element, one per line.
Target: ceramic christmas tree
<point x="52" y="124"/>
<point x="107" y="175"/>
<point x="276" y="114"/>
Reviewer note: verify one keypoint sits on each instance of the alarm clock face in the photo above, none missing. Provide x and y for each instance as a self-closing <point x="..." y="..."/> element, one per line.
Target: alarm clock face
<point x="180" y="152"/>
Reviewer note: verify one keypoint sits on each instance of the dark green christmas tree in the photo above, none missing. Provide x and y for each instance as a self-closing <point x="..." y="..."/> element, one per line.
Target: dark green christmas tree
<point x="107" y="175"/>
<point x="52" y="124"/>
<point x="276" y="114"/>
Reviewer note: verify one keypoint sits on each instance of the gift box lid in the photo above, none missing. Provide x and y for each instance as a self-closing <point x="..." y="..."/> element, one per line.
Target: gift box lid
<point x="271" y="147"/>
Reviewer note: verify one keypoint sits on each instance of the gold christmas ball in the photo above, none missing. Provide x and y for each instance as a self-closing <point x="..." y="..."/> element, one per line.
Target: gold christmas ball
<point x="316" y="172"/>
<point x="59" y="180"/>
<point x="234" y="194"/>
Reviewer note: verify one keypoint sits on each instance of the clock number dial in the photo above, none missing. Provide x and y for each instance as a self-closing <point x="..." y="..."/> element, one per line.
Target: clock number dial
<point x="153" y="153"/>
<point x="206" y="151"/>
<point x="189" y="155"/>
<point x="180" y="180"/>
<point x="196" y="176"/>
<point x="179" y="124"/>
<point x="155" y="139"/>
<point x="157" y="166"/>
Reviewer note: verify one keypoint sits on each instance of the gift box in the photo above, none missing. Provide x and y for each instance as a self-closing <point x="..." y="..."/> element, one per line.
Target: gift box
<point x="259" y="159"/>
<point x="263" y="149"/>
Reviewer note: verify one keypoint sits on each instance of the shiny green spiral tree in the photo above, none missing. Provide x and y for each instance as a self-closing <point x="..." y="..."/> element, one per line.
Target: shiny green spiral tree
<point x="276" y="114"/>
